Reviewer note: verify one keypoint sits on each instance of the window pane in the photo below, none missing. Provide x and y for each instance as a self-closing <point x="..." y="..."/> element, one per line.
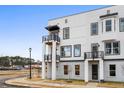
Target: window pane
<point x="108" y="48"/>
<point x="77" y="50"/>
<point x="112" y="73"/>
<point x="116" y="48"/>
<point x="121" y="24"/>
<point x="66" y="33"/>
<point x="65" y="69"/>
<point x="108" y="45"/>
<point x="112" y="69"/>
<point x="94" y="28"/>
<point x="66" y="51"/>
<point x="77" y="69"/>
<point x="115" y="44"/>
<point x="116" y="51"/>
<point x="108" y="25"/>
<point x="108" y="51"/>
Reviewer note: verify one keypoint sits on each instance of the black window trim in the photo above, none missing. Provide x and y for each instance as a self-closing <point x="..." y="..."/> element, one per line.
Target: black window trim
<point x="112" y="48"/>
<point x="111" y="70"/>
<point x="74" y="50"/>
<point x="70" y="51"/>
<point x="64" y="31"/>
<point x="79" y="69"/>
<point x="106" y="26"/>
<point x="120" y="25"/>
<point x="92" y="34"/>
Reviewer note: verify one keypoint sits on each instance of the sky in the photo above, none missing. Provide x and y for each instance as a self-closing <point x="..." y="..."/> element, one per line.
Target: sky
<point x="22" y="27"/>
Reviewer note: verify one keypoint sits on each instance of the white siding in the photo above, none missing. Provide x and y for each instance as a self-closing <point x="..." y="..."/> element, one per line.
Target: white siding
<point x="80" y="34"/>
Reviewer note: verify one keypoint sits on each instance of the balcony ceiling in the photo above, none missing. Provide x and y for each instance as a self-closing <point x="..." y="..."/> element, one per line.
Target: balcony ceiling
<point x="52" y="28"/>
<point x="108" y="15"/>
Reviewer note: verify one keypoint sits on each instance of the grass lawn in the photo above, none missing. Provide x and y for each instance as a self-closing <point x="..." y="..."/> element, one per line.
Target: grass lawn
<point x="112" y="84"/>
<point x="61" y="81"/>
<point x="16" y="72"/>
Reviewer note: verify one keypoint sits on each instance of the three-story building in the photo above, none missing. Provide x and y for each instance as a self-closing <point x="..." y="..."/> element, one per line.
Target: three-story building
<point x="86" y="46"/>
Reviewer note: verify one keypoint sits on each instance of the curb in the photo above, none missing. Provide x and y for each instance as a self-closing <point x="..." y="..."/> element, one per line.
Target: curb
<point x="15" y="85"/>
<point x="18" y="86"/>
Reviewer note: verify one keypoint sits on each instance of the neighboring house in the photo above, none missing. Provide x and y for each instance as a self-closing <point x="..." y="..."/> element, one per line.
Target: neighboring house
<point x="85" y="46"/>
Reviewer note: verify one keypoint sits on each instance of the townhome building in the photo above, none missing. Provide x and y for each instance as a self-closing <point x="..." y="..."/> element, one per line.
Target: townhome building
<point x="85" y="46"/>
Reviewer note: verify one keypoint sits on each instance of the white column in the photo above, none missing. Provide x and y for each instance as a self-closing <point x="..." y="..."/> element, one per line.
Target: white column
<point x="43" y="62"/>
<point x="86" y="70"/>
<point x="53" y="60"/>
<point x="101" y="69"/>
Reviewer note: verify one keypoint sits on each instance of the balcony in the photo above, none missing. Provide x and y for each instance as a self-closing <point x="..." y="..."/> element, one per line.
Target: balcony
<point x="93" y="55"/>
<point x="50" y="38"/>
<point x="48" y="58"/>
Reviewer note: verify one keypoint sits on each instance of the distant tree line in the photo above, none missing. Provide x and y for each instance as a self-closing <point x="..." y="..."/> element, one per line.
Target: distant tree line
<point x="7" y="61"/>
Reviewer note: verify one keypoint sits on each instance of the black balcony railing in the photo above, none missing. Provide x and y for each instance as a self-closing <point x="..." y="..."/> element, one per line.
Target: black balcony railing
<point x="49" y="57"/>
<point x="51" y="37"/>
<point x="93" y="55"/>
<point x="57" y="57"/>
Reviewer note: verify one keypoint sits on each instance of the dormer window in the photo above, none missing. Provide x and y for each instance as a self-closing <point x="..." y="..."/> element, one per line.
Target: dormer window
<point x="66" y="20"/>
<point x="108" y="11"/>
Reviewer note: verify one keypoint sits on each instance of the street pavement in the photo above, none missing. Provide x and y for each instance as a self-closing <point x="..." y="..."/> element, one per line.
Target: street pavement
<point x="2" y="82"/>
<point x="3" y="79"/>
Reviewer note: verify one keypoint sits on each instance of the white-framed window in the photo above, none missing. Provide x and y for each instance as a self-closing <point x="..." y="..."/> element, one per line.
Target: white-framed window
<point x="121" y="24"/>
<point x="66" y="33"/>
<point x="108" y="25"/>
<point x="112" y="70"/>
<point x="94" y="28"/>
<point x="108" y="48"/>
<point x="66" y="51"/>
<point x="77" y="50"/>
<point x="112" y="48"/>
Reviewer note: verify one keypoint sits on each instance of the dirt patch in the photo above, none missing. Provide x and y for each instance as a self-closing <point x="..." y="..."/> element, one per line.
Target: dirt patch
<point x="111" y="84"/>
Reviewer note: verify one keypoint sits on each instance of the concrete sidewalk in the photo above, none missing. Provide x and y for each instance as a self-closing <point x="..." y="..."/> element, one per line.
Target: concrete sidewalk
<point x="46" y="84"/>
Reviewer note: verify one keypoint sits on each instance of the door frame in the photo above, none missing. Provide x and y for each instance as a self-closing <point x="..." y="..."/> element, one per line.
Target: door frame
<point x="97" y="72"/>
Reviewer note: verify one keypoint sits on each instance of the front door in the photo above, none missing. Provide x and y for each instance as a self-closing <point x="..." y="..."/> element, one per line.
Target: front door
<point x="94" y="71"/>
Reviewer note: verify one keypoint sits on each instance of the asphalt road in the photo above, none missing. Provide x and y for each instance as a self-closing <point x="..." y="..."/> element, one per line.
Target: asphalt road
<point x="3" y="85"/>
<point x="2" y="80"/>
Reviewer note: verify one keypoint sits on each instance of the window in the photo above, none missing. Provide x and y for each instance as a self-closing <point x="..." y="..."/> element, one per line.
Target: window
<point x="66" y="20"/>
<point x="94" y="28"/>
<point x="66" y="51"/>
<point x="77" y="69"/>
<point x="112" y="48"/>
<point x="77" y="50"/>
<point x="116" y="48"/>
<point x="108" y="48"/>
<point x="65" y="69"/>
<point x="112" y="69"/>
<point x="66" y="33"/>
<point x="121" y="24"/>
<point x="108" y="25"/>
<point x="108" y="11"/>
<point x="102" y="27"/>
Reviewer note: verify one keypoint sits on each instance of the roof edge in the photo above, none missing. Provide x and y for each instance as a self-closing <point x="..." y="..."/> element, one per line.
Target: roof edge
<point x="80" y="12"/>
